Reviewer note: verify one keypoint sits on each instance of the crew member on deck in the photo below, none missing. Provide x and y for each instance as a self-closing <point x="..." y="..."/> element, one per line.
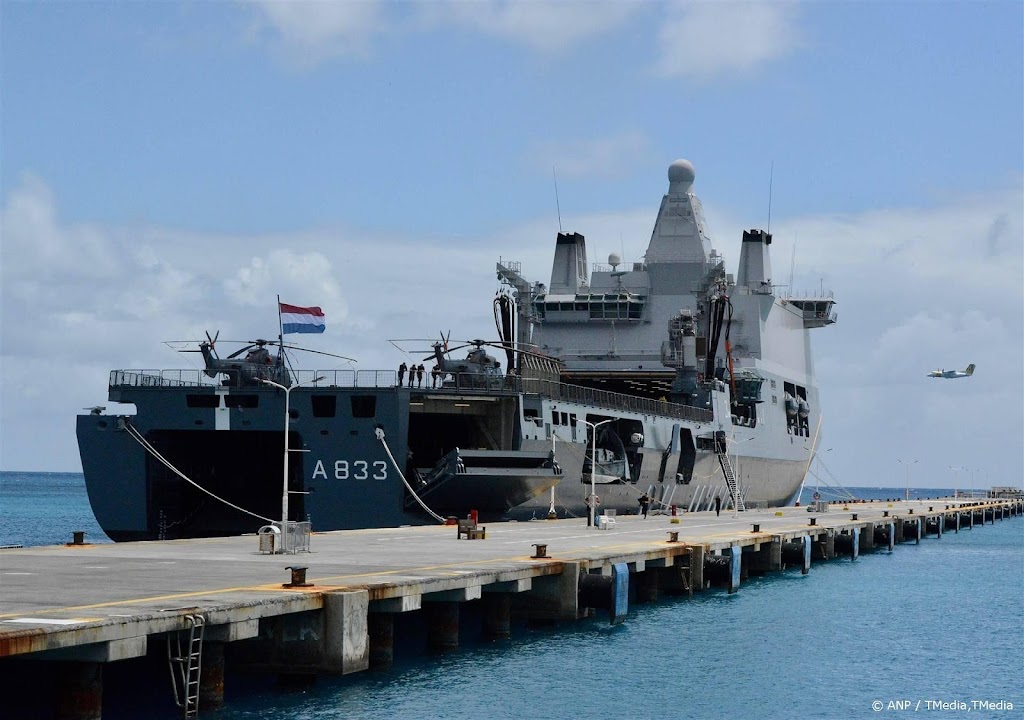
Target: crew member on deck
<point x="401" y="374"/>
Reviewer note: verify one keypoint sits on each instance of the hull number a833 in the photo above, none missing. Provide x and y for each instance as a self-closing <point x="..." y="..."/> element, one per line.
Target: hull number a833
<point x="354" y="470"/>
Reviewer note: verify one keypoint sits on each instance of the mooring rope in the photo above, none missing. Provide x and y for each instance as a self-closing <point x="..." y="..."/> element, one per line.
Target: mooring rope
<point x="380" y="436"/>
<point x="137" y="436"/>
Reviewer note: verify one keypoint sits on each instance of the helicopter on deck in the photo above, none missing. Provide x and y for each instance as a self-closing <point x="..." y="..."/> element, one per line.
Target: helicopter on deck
<point x="479" y="368"/>
<point x="477" y="361"/>
<point x="251" y="364"/>
<point x="257" y="364"/>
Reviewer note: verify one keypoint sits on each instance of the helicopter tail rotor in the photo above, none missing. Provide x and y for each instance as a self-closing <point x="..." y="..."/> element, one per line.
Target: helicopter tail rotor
<point x="212" y="340"/>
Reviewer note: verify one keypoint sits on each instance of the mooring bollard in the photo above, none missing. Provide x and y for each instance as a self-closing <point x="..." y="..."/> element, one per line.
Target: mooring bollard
<point x="854" y="516"/>
<point x="673" y="536"/>
<point x="540" y="550"/>
<point x="298" y="577"/>
<point x="814" y="521"/>
<point x="78" y="537"/>
<point x="757" y="528"/>
<point x="885" y="513"/>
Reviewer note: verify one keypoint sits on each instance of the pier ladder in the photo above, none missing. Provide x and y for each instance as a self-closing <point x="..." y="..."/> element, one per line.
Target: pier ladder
<point x="185" y="659"/>
<point x="730" y="480"/>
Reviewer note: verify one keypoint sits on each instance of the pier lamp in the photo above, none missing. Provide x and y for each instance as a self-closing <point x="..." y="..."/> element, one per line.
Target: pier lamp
<point x="287" y="422"/>
<point x="593" y="463"/>
<point x="956" y="484"/>
<point x="907" y="464"/>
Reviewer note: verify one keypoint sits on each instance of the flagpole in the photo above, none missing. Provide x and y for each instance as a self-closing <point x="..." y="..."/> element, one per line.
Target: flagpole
<point x="280" y="326"/>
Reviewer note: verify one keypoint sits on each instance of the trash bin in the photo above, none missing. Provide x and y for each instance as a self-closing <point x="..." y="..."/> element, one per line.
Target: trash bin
<point x="268" y="538"/>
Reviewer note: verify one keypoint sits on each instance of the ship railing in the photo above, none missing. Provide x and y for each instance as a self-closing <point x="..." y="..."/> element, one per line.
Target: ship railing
<point x="476" y="383"/>
<point x="160" y="378"/>
<point x="346" y="378"/>
<point x="799" y="295"/>
<point x="615" y="401"/>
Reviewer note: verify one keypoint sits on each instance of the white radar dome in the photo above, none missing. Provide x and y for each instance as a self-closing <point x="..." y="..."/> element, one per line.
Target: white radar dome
<point x="614" y="259"/>
<point x="681" y="175"/>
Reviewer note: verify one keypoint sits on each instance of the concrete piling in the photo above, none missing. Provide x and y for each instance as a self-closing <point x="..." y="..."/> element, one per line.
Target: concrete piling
<point x="497" y="616"/>
<point x="647" y="586"/>
<point x="79" y="691"/>
<point x="442" y="620"/>
<point x="381" y="631"/>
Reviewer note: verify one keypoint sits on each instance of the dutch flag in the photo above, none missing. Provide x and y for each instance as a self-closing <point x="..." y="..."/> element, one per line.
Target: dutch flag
<point x="296" y="319"/>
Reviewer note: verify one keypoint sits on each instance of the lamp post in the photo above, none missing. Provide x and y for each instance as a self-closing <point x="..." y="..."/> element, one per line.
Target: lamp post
<point x="956" y="491"/>
<point x="287" y="422"/>
<point x="593" y="462"/>
<point x="907" y="464"/>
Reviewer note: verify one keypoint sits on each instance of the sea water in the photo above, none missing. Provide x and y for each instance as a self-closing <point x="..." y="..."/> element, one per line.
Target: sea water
<point x="935" y="628"/>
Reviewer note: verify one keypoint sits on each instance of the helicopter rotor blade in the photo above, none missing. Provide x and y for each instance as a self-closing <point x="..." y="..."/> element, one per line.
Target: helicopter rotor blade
<point x="320" y="352"/>
<point x="239" y="352"/>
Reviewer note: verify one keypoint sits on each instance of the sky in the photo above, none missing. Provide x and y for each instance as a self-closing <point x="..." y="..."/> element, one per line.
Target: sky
<point x="170" y="168"/>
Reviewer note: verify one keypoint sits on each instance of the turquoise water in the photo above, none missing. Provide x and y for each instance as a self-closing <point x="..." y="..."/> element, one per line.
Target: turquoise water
<point x="938" y="622"/>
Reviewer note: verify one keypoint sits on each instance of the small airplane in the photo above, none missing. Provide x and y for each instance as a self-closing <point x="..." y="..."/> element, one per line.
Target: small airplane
<point x="952" y="374"/>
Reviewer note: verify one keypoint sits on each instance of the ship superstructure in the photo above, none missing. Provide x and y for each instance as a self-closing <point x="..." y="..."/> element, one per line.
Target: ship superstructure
<point x="678" y="329"/>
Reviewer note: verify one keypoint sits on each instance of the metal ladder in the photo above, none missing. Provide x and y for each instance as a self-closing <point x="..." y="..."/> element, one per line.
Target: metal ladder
<point x="185" y="660"/>
<point x="730" y="481"/>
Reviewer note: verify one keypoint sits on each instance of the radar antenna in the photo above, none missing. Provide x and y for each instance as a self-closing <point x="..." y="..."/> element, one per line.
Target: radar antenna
<point x="558" y="207"/>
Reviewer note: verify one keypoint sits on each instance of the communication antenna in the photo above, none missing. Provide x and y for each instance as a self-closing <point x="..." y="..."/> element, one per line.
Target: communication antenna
<point x="792" y="263"/>
<point x="558" y="207"/>
<point x="771" y="177"/>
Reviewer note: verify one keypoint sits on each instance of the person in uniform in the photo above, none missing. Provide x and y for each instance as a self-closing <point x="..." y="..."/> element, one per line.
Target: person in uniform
<point x="401" y="374"/>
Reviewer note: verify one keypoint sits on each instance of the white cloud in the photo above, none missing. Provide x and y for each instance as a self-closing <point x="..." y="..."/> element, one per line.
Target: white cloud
<point x="597" y="157"/>
<point x="545" y="26"/>
<point x="696" y="39"/>
<point x="701" y="40"/>
<point x="312" y="32"/>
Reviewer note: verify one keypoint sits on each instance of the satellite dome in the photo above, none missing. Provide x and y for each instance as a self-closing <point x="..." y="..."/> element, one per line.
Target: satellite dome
<point x="614" y="259"/>
<point x="681" y="171"/>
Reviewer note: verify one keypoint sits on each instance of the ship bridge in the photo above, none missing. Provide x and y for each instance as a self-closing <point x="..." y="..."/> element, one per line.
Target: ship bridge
<point x="816" y="308"/>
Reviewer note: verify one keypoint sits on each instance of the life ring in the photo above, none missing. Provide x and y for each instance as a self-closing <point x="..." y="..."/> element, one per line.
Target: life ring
<point x="817" y="496"/>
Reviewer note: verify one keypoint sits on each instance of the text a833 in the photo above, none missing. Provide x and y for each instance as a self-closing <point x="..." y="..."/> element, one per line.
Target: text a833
<point x="351" y="470"/>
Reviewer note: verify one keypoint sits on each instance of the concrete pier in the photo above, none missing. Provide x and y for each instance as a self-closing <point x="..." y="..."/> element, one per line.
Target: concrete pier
<point x="70" y="610"/>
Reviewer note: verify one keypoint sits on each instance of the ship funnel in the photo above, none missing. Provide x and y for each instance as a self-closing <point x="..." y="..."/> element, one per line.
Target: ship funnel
<point x="755" y="270"/>
<point x="569" y="269"/>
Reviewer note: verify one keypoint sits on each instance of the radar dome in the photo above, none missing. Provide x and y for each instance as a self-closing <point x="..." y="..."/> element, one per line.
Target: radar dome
<point x="681" y="171"/>
<point x="614" y="259"/>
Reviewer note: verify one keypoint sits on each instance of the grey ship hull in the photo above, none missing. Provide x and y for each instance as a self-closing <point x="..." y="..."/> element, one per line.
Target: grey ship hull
<point x="342" y="477"/>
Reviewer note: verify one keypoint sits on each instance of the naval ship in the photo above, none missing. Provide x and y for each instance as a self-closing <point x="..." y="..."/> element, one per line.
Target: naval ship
<point x="669" y="378"/>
